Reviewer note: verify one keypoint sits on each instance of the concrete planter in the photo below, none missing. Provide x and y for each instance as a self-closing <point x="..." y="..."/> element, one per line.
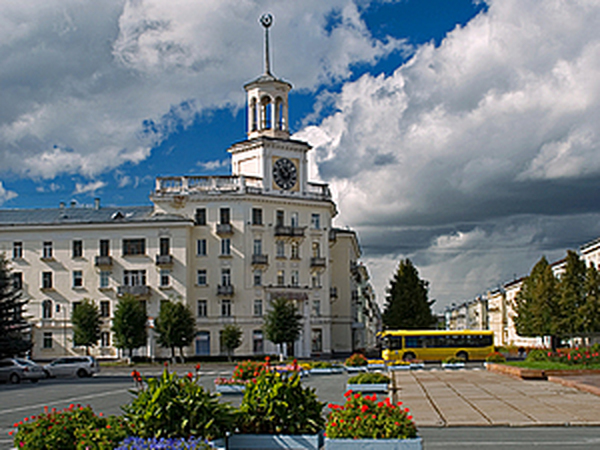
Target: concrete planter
<point x="374" y="444"/>
<point x="460" y="365"/>
<point x="379" y="387"/>
<point x="399" y="367"/>
<point x="417" y="366"/>
<point x="270" y="441"/>
<point x="326" y="371"/>
<point x="356" y="369"/>
<point x="236" y="389"/>
<point x="377" y="366"/>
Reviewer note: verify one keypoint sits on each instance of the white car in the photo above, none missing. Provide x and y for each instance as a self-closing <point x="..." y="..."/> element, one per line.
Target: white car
<point x="71" y="366"/>
<point x="13" y="370"/>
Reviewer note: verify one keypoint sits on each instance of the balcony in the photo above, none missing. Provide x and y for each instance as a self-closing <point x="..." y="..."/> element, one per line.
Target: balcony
<point x="136" y="291"/>
<point x="260" y="260"/>
<point x="104" y="261"/>
<point x="317" y="262"/>
<point x="164" y="260"/>
<point x="224" y="229"/>
<point x="226" y="289"/>
<point x="289" y="231"/>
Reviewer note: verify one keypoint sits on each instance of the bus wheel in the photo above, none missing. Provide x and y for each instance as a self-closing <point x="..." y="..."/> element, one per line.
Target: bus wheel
<point x="408" y="356"/>
<point x="463" y="355"/>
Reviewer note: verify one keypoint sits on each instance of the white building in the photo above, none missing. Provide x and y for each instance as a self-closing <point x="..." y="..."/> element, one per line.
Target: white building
<point x="224" y="245"/>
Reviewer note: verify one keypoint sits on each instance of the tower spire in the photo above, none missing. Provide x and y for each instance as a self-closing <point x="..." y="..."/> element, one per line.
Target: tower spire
<point x="266" y="21"/>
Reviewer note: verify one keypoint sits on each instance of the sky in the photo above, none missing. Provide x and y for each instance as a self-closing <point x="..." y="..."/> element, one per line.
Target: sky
<point x="460" y="134"/>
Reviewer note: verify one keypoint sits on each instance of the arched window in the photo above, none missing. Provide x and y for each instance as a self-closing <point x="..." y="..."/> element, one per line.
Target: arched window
<point x="47" y="309"/>
<point x="265" y="113"/>
<point x="253" y="115"/>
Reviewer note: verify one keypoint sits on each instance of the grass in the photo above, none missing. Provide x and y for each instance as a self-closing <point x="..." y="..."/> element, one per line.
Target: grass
<point x="551" y="365"/>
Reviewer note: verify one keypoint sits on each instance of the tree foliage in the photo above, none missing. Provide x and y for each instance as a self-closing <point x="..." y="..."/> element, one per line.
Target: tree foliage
<point x="283" y="323"/>
<point x="231" y="338"/>
<point x="407" y="304"/>
<point x="86" y="324"/>
<point x="175" y="325"/>
<point x="15" y="331"/>
<point x="589" y="311"/>
<point x="571" y="296"/>
<point x="129" y="324"/>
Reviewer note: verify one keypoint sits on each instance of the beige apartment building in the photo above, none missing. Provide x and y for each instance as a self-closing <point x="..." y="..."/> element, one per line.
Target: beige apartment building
<point x="224" y="245"/>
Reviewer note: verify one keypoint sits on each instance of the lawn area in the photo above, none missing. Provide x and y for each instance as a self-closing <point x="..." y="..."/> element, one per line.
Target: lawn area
<point x="551" y="365"/>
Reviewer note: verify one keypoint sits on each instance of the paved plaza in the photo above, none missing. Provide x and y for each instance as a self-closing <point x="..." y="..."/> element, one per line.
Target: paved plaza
<point x="440" y="398"/>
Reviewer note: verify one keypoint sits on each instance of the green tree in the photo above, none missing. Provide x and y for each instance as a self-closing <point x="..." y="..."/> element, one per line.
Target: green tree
<point x="86" y="324"/>
<point x="589" y="311"/>
<point x="129" y="324"/>
<point x="536" y="304"/>
<point x="571" y="290"/>
<point x="231" y="338"/>
<point x="175" y="325"/>
<point x="407" y="304"/>
<point x="15" y="331"/>
<point x="283" y="324"/>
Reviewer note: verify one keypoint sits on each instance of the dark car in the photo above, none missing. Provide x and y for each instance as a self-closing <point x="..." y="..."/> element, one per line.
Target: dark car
<point x="71" y="366"/>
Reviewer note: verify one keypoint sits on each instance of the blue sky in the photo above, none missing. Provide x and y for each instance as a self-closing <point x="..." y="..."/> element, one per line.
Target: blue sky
<point x="460" y="134"/>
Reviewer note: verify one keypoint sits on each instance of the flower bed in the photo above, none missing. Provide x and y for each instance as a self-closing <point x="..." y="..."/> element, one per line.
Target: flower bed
<point x="356" y="363"/>
<point x="324" y="368"/>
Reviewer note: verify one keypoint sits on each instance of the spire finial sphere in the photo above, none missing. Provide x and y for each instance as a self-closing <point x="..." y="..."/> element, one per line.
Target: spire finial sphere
<point x="266" y="20"/>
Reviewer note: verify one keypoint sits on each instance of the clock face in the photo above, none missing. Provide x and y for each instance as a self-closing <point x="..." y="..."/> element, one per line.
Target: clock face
<point x="285" y="173"/>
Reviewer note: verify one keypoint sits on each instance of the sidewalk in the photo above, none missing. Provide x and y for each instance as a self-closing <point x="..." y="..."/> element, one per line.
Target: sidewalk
<point x="481" y="398"/>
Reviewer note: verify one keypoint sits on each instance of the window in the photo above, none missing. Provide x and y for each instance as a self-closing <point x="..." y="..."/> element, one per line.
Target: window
<point x="165" y="277"/>
<point x="258" y="312"/>
<point x="295" y="251"/>
<point x="46" y="280"/>
<point x="257" y="249"/>
<point x="202" y="308"/>
<point x="225" y="247"/>
<point x="257" y="216"/>
<point x="47" y="309"/>
<point x="316" y="280"/>
<point x="316" y="250"/>
<point x="201" y="247"/>
<point x="165" y="246"/>
<point x="279" y="218"/>
<point x="133" y="247"/>
<point x="316" y="308"/>
<point x="280" y="277"/>
<point x="105" y="339"/>
<point x="77" y="278"/>
<point x="47" y="339"/>
<point x="257" y="277"/>
<point x="226" y="277"/>
<point x="315" y="221"/>
<point x="295" y="278"/>
<point x="201" y="216"/>
<point x="17" y="280"/>
<point x="77" y="249"/>
<point x="203" y="343"/>
<point x="224" y="216"/>
<point x="104" y="247"/>
<point x="280" y="249"/>
<point x="47" y="251"/>
<point x="134" y="278"/>
<point x="294" y="222"/>
<point x="226" y="308"/>
<point x="76" y="305"/>
<point x="104" y="308"/>
<point x="201" y="277"/>
<point x="257" y="342"/>
<point x="104" y="279"/>
<point x="317" y="340"/>
<point x="17" y="250"/>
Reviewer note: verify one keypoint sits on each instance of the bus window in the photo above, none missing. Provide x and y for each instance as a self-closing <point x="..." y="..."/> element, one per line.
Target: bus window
<point x="414" y="341"/>
<point x="393" y="342"/>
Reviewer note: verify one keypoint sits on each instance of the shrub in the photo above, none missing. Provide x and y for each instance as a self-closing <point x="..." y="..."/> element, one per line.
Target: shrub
<point x="495" y="357"/>
<point x="538" y="355"/>
<point x="356" y="360"/>
<point x="246" y="370"/>
<point x="136" y="443"/>
<point x="366" y="418"/>
<point x="75" y="427"/>
<point x="321" y="365"/>
<point x="369" y="378"/>
<point x="278" y="404"/>
<point x="170" y="406"/>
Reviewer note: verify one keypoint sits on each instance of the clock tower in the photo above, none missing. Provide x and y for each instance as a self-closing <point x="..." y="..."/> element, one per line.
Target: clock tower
<point x="278" y="163"/>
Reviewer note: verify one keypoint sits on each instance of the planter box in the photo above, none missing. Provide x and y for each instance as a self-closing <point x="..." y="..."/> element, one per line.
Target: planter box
<point x="377" y="366"/>
<point x="453" y="365"/>
<point x="356" y="369"/>
<point x="271" y="441"/>
<point x="417" y="365"/>
<point x="399" y="367"/>
<point x="230" y="388"/>
<point x="326" y="371"/>
<point x="374" y="444"/>
<point x="379" y="387"/>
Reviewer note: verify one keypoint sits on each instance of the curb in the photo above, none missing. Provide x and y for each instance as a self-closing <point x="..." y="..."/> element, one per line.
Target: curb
<point x="574" y="384"/>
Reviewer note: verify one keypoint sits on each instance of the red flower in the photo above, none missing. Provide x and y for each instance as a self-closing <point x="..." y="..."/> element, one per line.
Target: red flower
<point x="357" y="396"/>
<point x="374" y="416"/>
<point x="380" y="404"/>
<point x="189" y="375"/>
<point x="364" y="408"/>
<point x="397" y="424"/>
<point x="166" y="363"/>
<point x="348" y="394"/>
<point x="197" y="367"/>
<point x="409" y="417"/>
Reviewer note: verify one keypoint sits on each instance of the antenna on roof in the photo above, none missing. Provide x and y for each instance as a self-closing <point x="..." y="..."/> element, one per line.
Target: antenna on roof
<point x="266" y="20"/>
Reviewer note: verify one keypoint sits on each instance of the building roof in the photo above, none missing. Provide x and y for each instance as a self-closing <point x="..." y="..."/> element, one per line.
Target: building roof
<point x="79" y="215"/>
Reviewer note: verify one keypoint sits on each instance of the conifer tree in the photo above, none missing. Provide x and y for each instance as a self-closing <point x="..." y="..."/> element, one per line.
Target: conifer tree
<point x="15" y="331"/>
<point x="571" y="287"/>
<point x="407" y="302"/>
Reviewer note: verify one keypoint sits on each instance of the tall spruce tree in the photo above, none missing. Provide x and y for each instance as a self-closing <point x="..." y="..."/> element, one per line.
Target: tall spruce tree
<point x="129" y="324"/>
<point x="571" y="289"/>
<point x="86" y="324"/>
<point x="589" y="311"/>
<point x="407" y="304"/>
<point x="15" y="331"/>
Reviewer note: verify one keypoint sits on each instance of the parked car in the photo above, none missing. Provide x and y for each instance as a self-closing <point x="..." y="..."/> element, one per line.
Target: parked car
<point x="71" y="366"/>
<point x="13" y="370"/>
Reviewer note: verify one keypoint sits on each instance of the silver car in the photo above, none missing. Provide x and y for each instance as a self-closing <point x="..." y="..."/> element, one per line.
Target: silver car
<point x="71" y="366"/>
<point x="13" y="370"/>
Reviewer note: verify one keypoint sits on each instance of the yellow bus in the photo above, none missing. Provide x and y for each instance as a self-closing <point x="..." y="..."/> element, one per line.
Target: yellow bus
<point x="432" y="345"/>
